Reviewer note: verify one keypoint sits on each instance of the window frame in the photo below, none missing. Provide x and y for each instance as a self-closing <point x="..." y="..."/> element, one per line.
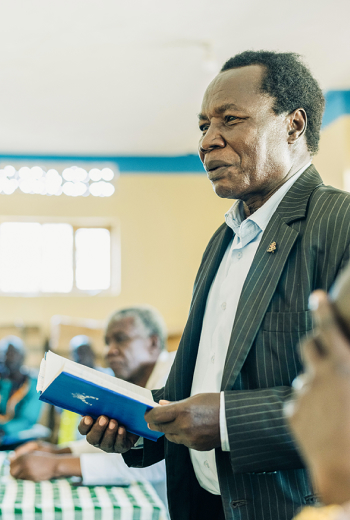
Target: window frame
<point x="113" y="226"/>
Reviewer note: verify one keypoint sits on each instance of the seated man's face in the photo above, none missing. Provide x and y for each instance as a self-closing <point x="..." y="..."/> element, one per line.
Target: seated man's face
<point x="130" y="348"/>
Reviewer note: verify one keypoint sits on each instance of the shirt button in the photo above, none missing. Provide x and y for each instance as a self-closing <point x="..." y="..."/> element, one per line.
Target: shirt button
<point x="223" y="306"/>
<point x="239" y="255"/>
<point x="206" y="464"/>
<point x="212" y="358"/>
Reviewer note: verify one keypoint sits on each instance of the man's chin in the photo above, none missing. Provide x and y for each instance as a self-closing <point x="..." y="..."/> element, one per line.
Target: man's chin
<point x="119" y="371"/>
<point x="225" y="187"/>
<point x="223" y="191"/>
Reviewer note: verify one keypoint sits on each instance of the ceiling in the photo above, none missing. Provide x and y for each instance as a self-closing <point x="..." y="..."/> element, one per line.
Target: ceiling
<point x="100" y="77"/>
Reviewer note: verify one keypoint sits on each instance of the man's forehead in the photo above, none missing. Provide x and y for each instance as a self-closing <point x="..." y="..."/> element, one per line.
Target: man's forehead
<point x="234" y="88"/>
<point x="123" y="324"/>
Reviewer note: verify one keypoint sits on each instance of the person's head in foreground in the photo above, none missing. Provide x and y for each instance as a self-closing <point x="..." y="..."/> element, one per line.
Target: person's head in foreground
<point x="81" y="350"/>
<point x="319" y="414"/>
<point x="260" y="121"/>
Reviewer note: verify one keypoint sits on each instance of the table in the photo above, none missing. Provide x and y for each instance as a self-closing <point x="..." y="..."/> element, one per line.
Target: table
<point x="61" y="500"/>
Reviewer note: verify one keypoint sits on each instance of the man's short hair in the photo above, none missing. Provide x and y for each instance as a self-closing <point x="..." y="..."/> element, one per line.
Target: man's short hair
<point x="149" y="316"/>
<point x="290" y="82"/>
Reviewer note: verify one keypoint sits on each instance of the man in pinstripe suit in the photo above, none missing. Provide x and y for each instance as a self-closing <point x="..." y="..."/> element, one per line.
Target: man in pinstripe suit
<point x="228" y="451"/>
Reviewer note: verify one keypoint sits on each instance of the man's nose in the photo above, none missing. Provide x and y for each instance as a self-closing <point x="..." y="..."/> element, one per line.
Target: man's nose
<point x="112" y="348"/>
<point x="211" y="140"/>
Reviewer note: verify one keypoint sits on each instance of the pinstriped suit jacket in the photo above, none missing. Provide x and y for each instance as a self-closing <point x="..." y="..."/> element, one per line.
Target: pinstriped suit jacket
<point x="262" y="477"/>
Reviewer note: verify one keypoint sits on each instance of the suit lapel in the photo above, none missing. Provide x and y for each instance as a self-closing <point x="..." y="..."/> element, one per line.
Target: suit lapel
<point x="208" y="272"/>
<point x="265" y="273"/>
<point x="187" y="352"/>
<point x="257" y="292"/>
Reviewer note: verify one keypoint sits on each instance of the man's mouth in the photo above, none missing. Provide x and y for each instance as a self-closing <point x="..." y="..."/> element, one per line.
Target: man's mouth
<point x="216" y="169"/>
<point x="115" y="363"/>
<point x="217" y="173"/>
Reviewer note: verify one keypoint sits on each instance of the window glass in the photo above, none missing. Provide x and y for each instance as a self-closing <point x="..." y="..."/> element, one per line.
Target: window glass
<point x="57" y="256"/>
<point x="37" y="257"/>
<point x="20" y="256"/>
<point x="93" y="250"/>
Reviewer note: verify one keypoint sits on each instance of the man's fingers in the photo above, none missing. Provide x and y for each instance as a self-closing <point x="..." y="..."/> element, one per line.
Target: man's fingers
<point x="108" y="439"/>
<point x="299" y="382"/>
<point x="107" y="435"/>
<point x="161" y="414"/>
<point x="311" y="354"/>
<point x="96" y="430"/>
<point x="121" y="442"/>
<point x="85" y="425"/>
<point x="329" y="333"/>
<point x="124" y="440"/>
<point x="328" y="346"/>
<point x="289" y="408"/>
<point x="16" y="467"/>
<point x="25" y="448"/>
<point x="167" y="428"/>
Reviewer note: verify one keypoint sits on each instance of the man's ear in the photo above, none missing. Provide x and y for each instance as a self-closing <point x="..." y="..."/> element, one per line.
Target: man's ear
<point x="297" y="123"/>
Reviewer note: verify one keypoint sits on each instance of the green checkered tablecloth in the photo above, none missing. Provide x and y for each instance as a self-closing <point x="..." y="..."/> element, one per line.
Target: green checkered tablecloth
<point x="59" y="500"/>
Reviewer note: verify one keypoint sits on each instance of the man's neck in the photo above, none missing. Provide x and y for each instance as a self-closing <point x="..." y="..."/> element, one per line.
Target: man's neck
<point x="257" y="200"/>
<point x="141" y="378"/>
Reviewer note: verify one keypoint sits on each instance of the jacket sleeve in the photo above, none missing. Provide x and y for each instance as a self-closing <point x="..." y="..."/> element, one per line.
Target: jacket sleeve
<point x="259" y="437"/>
<point x="151" y="452"/>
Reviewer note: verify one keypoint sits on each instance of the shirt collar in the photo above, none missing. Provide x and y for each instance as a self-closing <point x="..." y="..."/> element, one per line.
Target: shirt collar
<point x="235" y="215"/>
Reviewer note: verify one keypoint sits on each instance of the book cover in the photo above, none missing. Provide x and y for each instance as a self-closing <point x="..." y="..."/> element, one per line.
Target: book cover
<point x="86" y="398"/>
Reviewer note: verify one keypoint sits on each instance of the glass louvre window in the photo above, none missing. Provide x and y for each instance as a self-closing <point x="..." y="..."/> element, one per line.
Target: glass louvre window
<point x="57" y="258"/>
<point x="93" y="252"/>
<point x="20" y="257"/>
<point x="53" y="258"/>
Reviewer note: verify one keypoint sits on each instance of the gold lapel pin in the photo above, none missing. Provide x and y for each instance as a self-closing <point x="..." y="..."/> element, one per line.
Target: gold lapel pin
<point x="272" y="247"/>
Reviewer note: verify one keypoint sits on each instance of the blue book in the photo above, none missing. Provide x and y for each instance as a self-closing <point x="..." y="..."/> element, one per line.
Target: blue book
<point x="86" y="391"/>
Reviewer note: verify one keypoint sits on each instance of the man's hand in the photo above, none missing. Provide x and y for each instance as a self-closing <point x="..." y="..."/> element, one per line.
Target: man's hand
<point x="107" y="434"/>
<point x="40" y="466"/>
<point x="194" y="422"/>
<point x="31" y="446"/>
<point x="319" y="412"/>
<point x="35" y="466"/>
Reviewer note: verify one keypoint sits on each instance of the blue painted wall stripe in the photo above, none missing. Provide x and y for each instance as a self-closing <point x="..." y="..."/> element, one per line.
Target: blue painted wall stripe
<point x="337" y="105"/>
<point x="137" y="164"/>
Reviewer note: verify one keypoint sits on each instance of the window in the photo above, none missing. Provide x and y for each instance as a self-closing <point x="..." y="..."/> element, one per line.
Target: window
<point x="73" y="181"/>
<point x="55" y="257"/>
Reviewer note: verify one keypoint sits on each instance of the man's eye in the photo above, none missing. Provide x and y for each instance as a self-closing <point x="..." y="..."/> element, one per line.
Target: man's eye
<point x="204" y="128"/>
<point x="229" y="119"/>
<point x="121" y="338"/>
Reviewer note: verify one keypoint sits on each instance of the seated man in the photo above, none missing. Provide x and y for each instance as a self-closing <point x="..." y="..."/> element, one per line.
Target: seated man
<point x="19" y="403"/>
<point x="136" y="340"/>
